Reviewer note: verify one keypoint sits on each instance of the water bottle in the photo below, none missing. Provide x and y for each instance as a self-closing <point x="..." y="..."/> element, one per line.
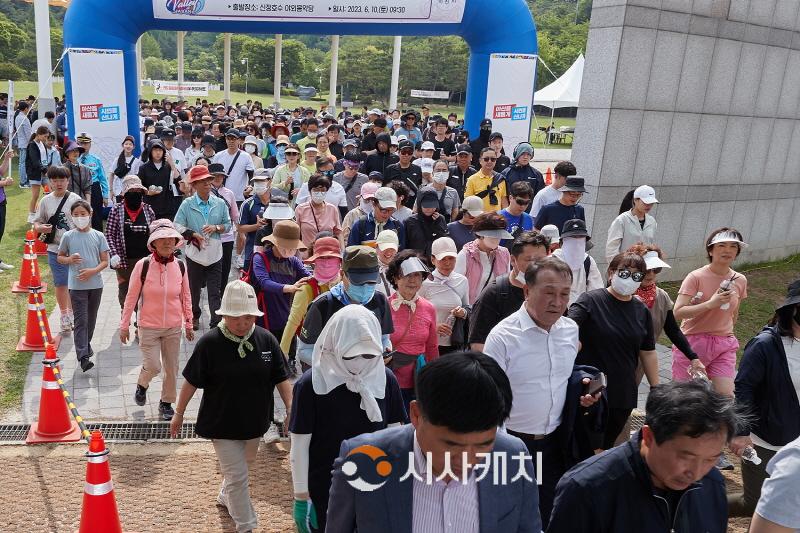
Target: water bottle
<point x="749" y="454"/>
<point x="696" y="298"/>
<point x="724" y="286"/>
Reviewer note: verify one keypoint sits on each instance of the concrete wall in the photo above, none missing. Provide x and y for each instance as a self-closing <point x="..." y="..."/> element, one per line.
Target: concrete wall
<point x="698" y="98"/>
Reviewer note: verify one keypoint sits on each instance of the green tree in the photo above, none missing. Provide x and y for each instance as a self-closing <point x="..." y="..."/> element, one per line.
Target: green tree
<point x="150" y="47"/>
<point x="159" y="69"/>
<point x="13" y="39"/>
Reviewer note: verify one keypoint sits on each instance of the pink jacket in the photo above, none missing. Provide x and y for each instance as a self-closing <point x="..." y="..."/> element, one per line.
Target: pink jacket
<point x="165" y="303"/>
<point x="501" y="259"/>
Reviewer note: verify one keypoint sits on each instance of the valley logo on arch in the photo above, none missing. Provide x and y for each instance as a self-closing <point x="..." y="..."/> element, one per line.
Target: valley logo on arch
<point x="185" y="7"/>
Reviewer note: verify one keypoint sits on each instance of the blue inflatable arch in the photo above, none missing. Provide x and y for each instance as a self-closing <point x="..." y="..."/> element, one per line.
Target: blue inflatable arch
<point x="488" y="26"/>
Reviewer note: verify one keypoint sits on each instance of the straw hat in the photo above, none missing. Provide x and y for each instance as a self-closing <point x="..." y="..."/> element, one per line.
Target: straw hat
<point x="132" y="182"/>
<point x="286" y="234"/>
<point x="163" y="229"/>
<point x="239" y="299"/>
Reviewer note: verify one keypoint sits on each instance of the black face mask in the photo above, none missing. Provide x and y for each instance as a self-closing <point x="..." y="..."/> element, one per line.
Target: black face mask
<point x="133" y="199"/>
<point x="485" y="134"/>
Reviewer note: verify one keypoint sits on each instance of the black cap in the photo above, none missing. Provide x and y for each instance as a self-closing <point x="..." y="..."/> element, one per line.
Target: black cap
<point x="792" y="295"/>
<point x="409" y="113"/>
<point x="463" y="149"/>
<point x="380" y="122"/>
<point x="354" y="157"/>
<point x="495" y="135"/>
<point x="375" y="175"/>
<point x="186" y="126"/>
<point x="208" y="139"/>
<point x="429" y="199"/>
<point x="167" y="133"/>
<point x="486" y="122"/>
<point x="574" y="228"/>
<point x="405" y="143"/>
<point x="217" y="168"/>
<point x="232" y="132"/>
<point x="242" y="134"/>
<point x="573" y="184"/>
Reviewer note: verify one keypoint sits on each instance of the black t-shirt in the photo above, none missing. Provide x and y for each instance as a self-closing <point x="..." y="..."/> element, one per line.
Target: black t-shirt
<point x="411" y="176"/>
<point x="612" y="333"/>
<point x="322" y="308"/>
<point x="237" y="392"/>
<point x="447" y="146"/>
<point x="458" y="179"/>
<point x="497" y="301"/>
<point x="136" y="233"/>
<point x="334" y="417"/>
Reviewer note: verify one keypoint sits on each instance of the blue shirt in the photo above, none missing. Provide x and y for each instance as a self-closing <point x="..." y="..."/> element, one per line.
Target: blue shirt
<point x="89" y="244"/>
<point x="248" y="213"/>
<point x="515" y="224"/>
<point x="95" y="166"/>
<point x="557" y="214"/>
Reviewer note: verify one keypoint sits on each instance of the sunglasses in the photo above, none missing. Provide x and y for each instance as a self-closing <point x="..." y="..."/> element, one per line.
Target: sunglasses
<point x="487" y="159"/>
<point x="522" y="201"/>
<point x="406" y="152"/>
<point x="292" y="154"/>
<point x="635" y="276"/>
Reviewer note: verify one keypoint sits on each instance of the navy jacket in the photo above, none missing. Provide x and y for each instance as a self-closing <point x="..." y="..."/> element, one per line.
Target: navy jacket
<point x="612" y="493"/>
<point x="527" y="173"/>
<point x="765" y="387"/>
<point x="581" y="430"/>
<point x="364" y="230"/>
<point x="509" y="508"/>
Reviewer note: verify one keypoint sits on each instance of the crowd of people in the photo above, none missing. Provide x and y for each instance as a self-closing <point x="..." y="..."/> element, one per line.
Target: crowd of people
<point x="422" y="289"/>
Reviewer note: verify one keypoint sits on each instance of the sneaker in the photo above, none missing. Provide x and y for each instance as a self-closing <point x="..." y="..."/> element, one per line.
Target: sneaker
<point x="66" y="327"/>
<point x="195" y="324"/>
<point x="24" y="186"/>
<point x="724" y="464"/>
<point x="86" y="363"/>
<point x="166" y="411"/>
<point x="5" y="266"/>
<point x="221" y="500"/>
<point x="140" y="396"/>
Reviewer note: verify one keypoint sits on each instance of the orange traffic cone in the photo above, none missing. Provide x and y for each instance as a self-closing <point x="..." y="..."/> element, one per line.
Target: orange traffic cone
<point x="54" y="423"/>
<point x="37" y="331"/>
<point x="39" y="247"/>
<point x="99" y="513"/>
<point x="30" y="266"/>
<point x="548" y="176"/>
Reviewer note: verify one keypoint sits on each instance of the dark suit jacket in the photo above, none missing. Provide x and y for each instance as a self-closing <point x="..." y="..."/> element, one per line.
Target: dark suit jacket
<point x="509" y="508"/>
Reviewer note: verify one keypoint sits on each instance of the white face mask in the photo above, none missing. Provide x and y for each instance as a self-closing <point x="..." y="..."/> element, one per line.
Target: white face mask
<point x="521" y="277"/>
<point x="250" y="149"/>
<point x="574" y="249"/>
<point x="318" y="197"/>
<point x="451" y="124"/>
<point x="260" y="188"/>
<point x="625" y="287"/>
<point x="311" y="134"/>
<point x="356" y="366"/>
<point x="366" y="206"/>
<point x="441" y="177"/>
<point x="81" y="222"/>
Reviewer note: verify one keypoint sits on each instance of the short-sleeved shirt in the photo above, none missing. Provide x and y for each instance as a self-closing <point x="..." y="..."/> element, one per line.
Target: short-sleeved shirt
<point x="89" y="244"/>
<point x="612" y="333"/>
<point x="492" y="306"/>
<point x="47" y="208"/>
<point x="450" y="199"/>
<point x="248" y="213"/>
<point x="780" y="499"/>
<point x="447" y="146"/>
<point x="460" y="233"/>
<point x="515" y="225"/>
<point x="337" y="416"/>
<point x="352" y="187"/>
<point x="479" y="182"/>
<point x="716" y="321"/>
<point x="312" y="221"/>
<point x="557" y="214"/>
<point x="325" y="305"/>
<point x="237" y="392"/>
<point x="237" y="175"/>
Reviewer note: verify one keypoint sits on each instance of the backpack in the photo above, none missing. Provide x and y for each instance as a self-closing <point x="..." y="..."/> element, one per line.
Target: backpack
<point x="146" y="267"/>
<point x="249" y="277"/>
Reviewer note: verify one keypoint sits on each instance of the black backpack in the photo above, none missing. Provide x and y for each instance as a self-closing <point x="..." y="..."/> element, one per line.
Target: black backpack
<point x="146" y="267"/>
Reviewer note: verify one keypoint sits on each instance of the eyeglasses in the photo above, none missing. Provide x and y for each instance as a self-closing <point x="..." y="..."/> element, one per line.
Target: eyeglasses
<point x="522" y="201"/>
<point x="635" y="276"/>
<point x="487" y="159"/>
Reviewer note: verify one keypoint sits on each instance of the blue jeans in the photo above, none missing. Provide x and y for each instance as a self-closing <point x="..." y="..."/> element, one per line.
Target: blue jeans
<point x="23" y="174"/>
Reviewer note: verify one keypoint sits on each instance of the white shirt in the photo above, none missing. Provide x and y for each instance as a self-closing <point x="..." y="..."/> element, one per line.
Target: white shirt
<point x="180" y="164"/>
<point x="486" y="268"/>
<point x="440" y="507"/>
<point x="335" y="196"/>
<point x="445" y="293"/>
<point x="538" y="365"/>
<point x="237" y="177"/>
<point x="548" y="195"/>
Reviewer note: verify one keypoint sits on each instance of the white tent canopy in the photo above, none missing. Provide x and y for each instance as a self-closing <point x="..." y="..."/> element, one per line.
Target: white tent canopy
<point x="565" y="91"/>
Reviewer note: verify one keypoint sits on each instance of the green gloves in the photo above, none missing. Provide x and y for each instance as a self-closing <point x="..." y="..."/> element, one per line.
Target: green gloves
<point x="305" y="516"/>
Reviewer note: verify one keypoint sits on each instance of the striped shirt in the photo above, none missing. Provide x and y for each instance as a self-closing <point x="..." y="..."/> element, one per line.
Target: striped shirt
<point x="441" y="507"/>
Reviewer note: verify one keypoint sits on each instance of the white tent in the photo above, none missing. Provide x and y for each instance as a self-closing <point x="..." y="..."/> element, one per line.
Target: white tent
<point x="565" y="91"/>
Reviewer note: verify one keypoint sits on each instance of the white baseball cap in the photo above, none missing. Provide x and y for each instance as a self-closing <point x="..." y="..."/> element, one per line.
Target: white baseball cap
<point x="426" y="164"/>
<point x="387" y="239"/>
<point x="551" y="232"/>
<point x="646" y="194"/>
<point x="386" y="197"/>
<point x="427" y="145"/>
<point x="239" y="299"/>
<point x="472" y="205"/>
<point x="443" y="247"/>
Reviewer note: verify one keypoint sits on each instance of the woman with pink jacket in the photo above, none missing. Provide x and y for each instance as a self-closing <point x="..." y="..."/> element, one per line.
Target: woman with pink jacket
<point x="161" y="287"/>
<point x="483" y="259"/>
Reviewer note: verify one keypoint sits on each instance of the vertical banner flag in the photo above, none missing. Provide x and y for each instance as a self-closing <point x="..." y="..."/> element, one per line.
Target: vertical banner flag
<point x="10" y="112"/>
<point x="509" y="96"/>
<point x="98" y="99"/>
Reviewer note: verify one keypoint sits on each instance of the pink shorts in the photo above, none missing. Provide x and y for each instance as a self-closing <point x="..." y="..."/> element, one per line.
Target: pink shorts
<point x="716" y="352"/>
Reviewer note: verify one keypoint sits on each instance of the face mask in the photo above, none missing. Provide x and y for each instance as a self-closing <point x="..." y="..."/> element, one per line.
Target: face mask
<point x="361" y="294"/>
<point x="81" y="222"/>
<point x="311" y="135"/>
<point x="281" y="150"/>
<point x="574" y="252"/>
<point x="133" y="199"/>
<point x="491" y="242"/>
<point x="451" y="124"/>
<point x="625" y="287"/>
<point x="440" y="177"/>
<point x="357" y="365"/>
<point x="260" y="188"/>
<point x="521" y="278"/>
<point x="318" y="197"/>
<point x="326" y="270"/>
<point x="250" y="149"/>
<point x="366" y="206"/>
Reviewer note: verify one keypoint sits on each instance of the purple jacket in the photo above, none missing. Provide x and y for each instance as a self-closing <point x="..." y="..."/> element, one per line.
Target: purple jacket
<point x="281" y="272"/>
